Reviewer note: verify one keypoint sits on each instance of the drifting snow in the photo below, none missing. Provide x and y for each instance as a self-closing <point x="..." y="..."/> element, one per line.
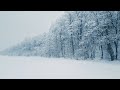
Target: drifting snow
<point x="49" y="68"/>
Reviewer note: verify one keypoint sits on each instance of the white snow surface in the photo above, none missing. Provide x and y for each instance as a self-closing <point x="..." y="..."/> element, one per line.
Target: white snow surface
<point x="18" y="67"/>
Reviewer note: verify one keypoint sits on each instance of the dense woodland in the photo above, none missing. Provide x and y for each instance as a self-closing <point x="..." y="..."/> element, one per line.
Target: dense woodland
<point x="76" y="35"/>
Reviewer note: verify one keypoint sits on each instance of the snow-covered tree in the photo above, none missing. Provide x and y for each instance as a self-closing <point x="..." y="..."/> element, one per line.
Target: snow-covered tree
<point x="76" y="34"/>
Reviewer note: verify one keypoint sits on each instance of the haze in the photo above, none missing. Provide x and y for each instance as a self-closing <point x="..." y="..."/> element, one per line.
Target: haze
<point x="15" y="26"/>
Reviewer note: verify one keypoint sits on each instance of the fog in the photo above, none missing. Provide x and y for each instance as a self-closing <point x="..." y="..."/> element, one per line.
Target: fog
<point x="15" y="26"/>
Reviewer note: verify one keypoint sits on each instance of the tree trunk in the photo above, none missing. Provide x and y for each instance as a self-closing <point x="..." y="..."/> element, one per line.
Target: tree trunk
<point x="101" y="52"/>
<point x="92" y="56"/>
<point x="61" y="45"/>
<point x="116" y="49"/>
<point x="72" y="44"/>
<point x="93" y="53"/>
<point x="61" y="50"/>
<point x="110" y="51"/>
<point x="86" y="55"/>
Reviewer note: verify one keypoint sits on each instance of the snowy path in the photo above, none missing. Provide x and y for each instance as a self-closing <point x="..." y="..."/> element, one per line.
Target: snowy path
<point x="44" y="68"/>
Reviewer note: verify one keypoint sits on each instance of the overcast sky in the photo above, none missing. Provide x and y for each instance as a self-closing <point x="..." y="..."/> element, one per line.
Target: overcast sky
<point x="17" y="25"/>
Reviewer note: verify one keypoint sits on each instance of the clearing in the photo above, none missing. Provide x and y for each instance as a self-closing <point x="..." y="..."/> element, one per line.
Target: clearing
<point x="51" y="68"/>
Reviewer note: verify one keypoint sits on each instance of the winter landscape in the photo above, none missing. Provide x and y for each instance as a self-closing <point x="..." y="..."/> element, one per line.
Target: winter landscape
<point x="60" y="45"/>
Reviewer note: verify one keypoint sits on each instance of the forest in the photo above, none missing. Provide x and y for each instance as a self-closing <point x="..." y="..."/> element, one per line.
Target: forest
<point x="76" y="35"/>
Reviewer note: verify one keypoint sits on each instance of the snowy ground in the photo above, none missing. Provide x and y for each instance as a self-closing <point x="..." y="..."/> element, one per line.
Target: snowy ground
<point x="45" y="68"/>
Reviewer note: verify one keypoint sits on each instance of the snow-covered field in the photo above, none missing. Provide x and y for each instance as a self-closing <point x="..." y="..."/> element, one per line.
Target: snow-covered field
<point x="48" y="68"/>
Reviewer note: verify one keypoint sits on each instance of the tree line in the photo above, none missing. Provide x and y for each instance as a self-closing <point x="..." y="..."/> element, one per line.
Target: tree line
<point x="77" y="35"/>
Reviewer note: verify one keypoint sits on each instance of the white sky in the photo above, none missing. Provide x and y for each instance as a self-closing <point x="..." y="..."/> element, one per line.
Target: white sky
<point x="17" y="25"/>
